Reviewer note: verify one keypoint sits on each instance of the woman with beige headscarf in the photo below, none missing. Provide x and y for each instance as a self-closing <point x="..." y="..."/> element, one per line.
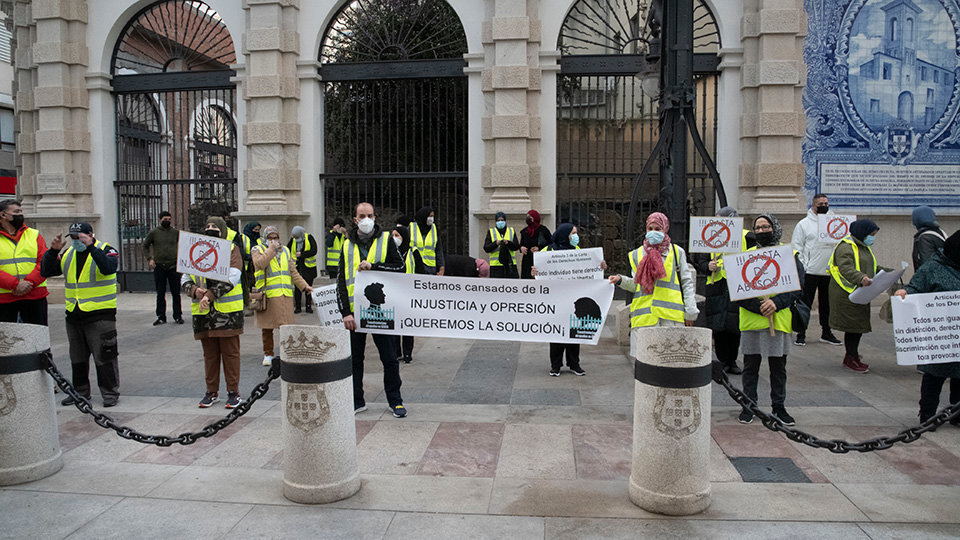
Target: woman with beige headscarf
<point x="276" y="275"/>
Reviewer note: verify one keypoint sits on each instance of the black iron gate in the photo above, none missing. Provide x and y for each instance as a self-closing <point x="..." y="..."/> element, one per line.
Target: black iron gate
<point x="395" y="114"/>
<point x="607" y="121"/>
<point x="175" y="128"/>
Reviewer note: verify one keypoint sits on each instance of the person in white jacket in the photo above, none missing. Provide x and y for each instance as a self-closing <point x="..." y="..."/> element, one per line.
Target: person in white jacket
<point x="814" y="255"/>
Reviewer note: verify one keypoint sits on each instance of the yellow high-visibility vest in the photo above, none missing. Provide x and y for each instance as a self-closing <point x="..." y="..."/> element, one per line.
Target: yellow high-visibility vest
<point x="495" y="235"/>
<point x="666" y="302"/>
<point x="426" y="244"/>
<point x="782" y="320"/>
<point x="835" y="270"/>
<point x="333" y="252"/>
<point x="275" y="280"/>
<point x="93" y="290"/>
<point x="721" y="272"/>
<point x="231" y="302"/>
<point x="352" y="259"/>
<point x="409" y="263"/>
<point x="311" y="261"/>
<point x="19" y="258"/>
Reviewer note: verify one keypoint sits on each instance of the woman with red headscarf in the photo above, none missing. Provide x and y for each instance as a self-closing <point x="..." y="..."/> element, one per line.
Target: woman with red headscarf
<point x="663" y="284"/>
<point x="532" y="239"/>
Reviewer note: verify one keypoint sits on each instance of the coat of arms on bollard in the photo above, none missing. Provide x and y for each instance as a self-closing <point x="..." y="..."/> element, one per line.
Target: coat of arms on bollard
<point x="8" y="399"/>
<point x="677" y="412"/>
<point x="307" y="406"/>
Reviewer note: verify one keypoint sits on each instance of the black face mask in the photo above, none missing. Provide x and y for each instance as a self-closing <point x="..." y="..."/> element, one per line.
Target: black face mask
<point x="212" y="232"/>
<point x="166" y="224"/>
<point x="765" y="238"/>
<point x="529" y="220"/>
<point x="17" y="221"/>
<point x="822" y="209"/>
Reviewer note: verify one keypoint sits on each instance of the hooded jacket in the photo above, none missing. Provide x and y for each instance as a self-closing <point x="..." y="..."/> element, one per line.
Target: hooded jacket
<point x="813" y="253"/>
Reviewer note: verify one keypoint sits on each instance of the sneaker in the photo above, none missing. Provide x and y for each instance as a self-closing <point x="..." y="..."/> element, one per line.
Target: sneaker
<point x="800" y="341"/>
<point x="158" y="322"/>
<point x="733" y="369"/>
<point x="745" y="417"/>
<point x="112" y="402"/>
<point x="578" y="372"/>
<point x="852" y="363"/>
<point x="359" y="409"/>
<point x="831" y="339"/>
<point x="208" y="400"/>
<point x="233" y="400"/>
<point x="297" y="310"/>
<point x="267" y="360"/>
<point x="69" y="401"/>
<point x="309" y="310"/>
<point x="784" y="418"/>
<point x="178" y="320"/>
<point x="399" y="411"/>
<point x="865" y="365"/>
<point x="554" y="373"/>
<point x="407" y="359"/>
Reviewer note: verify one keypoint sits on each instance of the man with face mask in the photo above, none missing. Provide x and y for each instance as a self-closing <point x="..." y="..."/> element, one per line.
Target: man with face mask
<point x="23" y="290"/>
<point x="368" y="247"/>
<point x="814" y="255"/>
<point x="160" y="247"/>
<point x="89" y="267"/>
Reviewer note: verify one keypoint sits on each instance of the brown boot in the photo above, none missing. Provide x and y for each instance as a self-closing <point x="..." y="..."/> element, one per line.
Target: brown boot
<point x="850" y="361"/>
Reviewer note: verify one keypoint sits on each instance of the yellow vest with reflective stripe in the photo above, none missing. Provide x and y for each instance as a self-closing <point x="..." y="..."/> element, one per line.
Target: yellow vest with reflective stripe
<point x="311" y="261"/>
<point x="352" y="259"/>
<point x="409" y="263"/>
<point x="333" y="252"/>
<point x="835" y="270"/>
<point x="782" y="320"/>
<point x="496" y="237"/>
<point x="93" y="290"/>
<point x="721" y="272"/>
<point x="666" y="302"/>
<point x="275" y="280"/>
<point x="426" y="244"/>
<point x="19" y="258"/>
<point x="231" y="302"/>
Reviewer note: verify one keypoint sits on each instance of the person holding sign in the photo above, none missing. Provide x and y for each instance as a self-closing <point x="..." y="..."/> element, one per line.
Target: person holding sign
<point x="426" y="238"/>
<point x="276" y="275"/>
<point x="757" y="339"/>
<point x="940" y="274"/>
<point x="814" y="255"/>
<point x="532" y="239"/>
<point x="217" y="309"/>
<point x="853" y="265"/>
<point x="663" y="284"/>
<point x="502" y="244"/>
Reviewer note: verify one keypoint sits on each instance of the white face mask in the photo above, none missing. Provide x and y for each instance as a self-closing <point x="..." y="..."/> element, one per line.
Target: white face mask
<point x="366" y="225"/>
<point x="397" y="240"/>
<point x="429" y="221"/>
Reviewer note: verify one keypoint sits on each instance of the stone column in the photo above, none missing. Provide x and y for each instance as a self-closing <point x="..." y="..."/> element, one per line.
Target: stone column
<point x="271" y="131"/>
<point x="29" y="440"/>
<point x="773" y="122"/>
<point x="319" y="434"/>
<point x="671" y="420"/>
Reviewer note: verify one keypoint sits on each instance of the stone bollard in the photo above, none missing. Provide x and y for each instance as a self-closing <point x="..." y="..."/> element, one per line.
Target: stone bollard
<point x="29" y="440"/>
<point x="319" y="434"/>
<point x="671" y="420"/>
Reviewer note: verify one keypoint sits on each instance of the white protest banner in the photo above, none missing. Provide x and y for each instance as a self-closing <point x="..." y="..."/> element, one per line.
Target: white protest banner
<point x="549" y="310"/>
<point x="926" y="328"/>
<point x="569" y="264"/>
<point x="716" y="234"/>
<point x="832" y="228"/>
<point x="204" y="256"/>
<point x="325" y="303"/>
<point x="764" y="272"/>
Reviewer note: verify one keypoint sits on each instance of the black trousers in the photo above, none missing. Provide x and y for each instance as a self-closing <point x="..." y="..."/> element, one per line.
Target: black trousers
<point x="727" y="346"/>
<point x="164" y="276"/>
<point x="404" y="346"/>
<point x="504" y="272"/>
<point x="26" y="311"/>
<point x="301" y="298"/>
<point x="930" y="387"/>
<point x="556" y="355"/>
<point x="386" y="346"/>
<point x="819" y="286"/>
<point x="97" y="338"/>
<point x="851" y="342"/>
<point x="778" y="378"/>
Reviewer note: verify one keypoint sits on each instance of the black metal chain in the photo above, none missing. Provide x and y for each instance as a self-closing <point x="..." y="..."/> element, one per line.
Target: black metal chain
<point x="837" y="446"/>
<point x="210" y="430"/>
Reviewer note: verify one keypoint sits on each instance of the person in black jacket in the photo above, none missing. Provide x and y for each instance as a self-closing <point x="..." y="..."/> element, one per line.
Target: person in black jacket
<point x="304" y="248"/>
<point x="360" y="240"/>
<point x="929" y="239"/>
<point x="412" y="264"/>
<point x="532" y="239"/>
<point x="502" y="243"/>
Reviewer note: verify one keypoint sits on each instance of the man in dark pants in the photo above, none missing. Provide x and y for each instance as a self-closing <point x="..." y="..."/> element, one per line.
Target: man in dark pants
<point x="89" y="268"/>
<point x="23" y="291"/>
<point x="368" y="247"/>
<point x="814" y="255"/>
<point x="161" y="250"/>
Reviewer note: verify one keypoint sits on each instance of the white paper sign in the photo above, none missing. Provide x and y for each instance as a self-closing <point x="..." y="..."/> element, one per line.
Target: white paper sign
<point x="881" y="282"/>
<point x="549" y="310"/>
<point x="716" y="234"/>
<point x="832" y="228"/>
<point x="764" y="272"/>
<point x="569" y="264"/>
<point x="926" y="328"/>
<point x="325" y="304"/>
<point x="204" y="256"/>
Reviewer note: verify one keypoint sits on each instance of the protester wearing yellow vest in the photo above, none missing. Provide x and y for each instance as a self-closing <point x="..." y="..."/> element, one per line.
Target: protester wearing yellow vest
<point x="217" y="309"/>
<point x="502" y="243"/>
<point x="23" y="291"/>
<point x="426" y="238"/>
<point x="276" y="275"/>
<point x="304" y="248"/>
<point x="89" y="269"/>
<point x="663" y="283"/>
<point x="852" y="265"/>
<point x="721" y="315"/>
<point x="756" y="340"/>
<point x="368" y="247"/>
<point x="334" y="244"/>
<point x="412" y="264"/>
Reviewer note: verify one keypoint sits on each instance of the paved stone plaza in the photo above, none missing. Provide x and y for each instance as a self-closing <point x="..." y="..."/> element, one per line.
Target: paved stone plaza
<point x="492" y="448"/>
